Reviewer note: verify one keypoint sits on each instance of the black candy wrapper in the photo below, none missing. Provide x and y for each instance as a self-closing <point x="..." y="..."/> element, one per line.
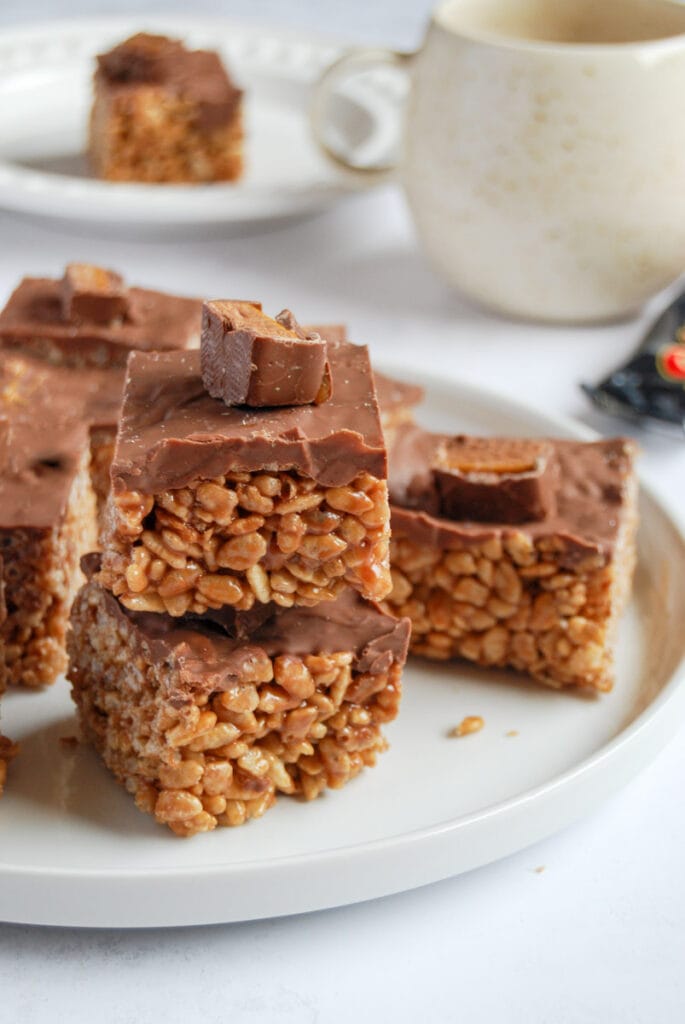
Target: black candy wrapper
<point x="650" y="387"/>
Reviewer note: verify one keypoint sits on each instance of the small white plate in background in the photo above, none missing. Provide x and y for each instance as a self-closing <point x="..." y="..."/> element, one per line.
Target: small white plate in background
<point x="46" y="92"/>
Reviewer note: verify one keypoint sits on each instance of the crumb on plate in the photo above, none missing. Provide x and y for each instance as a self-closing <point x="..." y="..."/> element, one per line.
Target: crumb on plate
<point x="472" y="723"/>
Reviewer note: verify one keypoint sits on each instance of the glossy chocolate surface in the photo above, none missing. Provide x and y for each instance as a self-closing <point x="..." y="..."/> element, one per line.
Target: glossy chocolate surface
<point x="250" y="359"/>
<point x="593" y="482"/>
<point x="396" y="395"/>
<point x="172" y="432"/>
<point x="44" y="438"/>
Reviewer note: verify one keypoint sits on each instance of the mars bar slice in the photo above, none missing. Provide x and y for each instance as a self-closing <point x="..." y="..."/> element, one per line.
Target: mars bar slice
<point x="89" y="322"/>
<point x="215" y="505"/>
<point x="47" y="515"/>
<point x="542" y="595"/>
<point x="163" y="113"/>
<point x="493" y="479"/>
<point x="205" y="728"/>
<point x="92" y="295"/>
<point x="250" y="359"/>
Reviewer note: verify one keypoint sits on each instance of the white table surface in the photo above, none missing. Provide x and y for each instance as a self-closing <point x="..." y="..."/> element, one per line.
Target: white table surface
<point x="599" y="934"/>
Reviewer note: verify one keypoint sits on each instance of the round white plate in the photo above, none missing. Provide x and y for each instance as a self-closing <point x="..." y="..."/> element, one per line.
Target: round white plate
<point x="75" y="851"/>
<point x="45" y="95"/>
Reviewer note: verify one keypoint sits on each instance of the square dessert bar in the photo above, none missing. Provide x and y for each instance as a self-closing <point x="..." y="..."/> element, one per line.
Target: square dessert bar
<point x="162" y="113"/>
<point x="514" y="553"/>
<point x="89" y="322"/>
<point x="206" y="723"/>
<point x="47" y="516"/>
<point x="215" y="505"/>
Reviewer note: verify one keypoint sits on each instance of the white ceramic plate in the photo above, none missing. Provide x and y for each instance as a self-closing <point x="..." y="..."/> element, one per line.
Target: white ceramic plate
<point x="75" y="851"/>
<point x="45" y="96"/>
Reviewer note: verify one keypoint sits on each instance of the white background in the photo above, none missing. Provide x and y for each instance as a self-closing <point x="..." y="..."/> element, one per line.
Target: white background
<point x="599" y="934"/>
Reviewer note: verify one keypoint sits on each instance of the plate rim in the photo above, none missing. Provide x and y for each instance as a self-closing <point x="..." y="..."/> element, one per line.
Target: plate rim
<point x="652" y="723"/>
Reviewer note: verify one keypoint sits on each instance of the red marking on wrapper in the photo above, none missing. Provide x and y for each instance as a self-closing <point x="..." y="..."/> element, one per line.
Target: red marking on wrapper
<point x="671" y="362"/>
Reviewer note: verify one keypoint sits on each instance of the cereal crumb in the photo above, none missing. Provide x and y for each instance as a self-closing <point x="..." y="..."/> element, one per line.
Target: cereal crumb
<point x="68" y="741"/>
<point x="472" y="723"/>
<point x="539" y="870"/>
<point x="512" y="732"/>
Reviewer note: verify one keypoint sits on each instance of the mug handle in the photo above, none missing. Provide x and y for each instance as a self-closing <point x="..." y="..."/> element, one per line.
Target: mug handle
<point x="346" y="65"/>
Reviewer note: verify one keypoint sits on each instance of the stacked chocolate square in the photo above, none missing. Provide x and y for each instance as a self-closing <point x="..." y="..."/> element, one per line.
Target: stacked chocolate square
<point x="81" y="329"/>
<point x="514" y="552"/>
<point x="63" y="349"/>
<point x="227" y="646"/>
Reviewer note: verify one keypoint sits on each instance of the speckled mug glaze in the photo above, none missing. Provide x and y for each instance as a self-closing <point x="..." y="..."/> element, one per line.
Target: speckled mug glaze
<point x="544" y="154"/>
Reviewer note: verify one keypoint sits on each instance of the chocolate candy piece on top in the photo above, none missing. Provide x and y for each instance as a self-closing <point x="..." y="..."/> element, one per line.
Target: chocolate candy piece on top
<point x="250" y="359"/>
<point x="93" y="295"/>
<point x="495" y="479"/>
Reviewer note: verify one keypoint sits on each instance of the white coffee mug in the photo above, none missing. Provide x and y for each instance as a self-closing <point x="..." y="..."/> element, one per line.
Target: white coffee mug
<point x="544" y="151"/>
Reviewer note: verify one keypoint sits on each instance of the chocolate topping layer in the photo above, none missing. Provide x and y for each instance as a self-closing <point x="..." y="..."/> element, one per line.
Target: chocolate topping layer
<point x="172" y="432"/>
<point x="249" y="359"/>
<point x="45" y="437"/>
<point x="33" y="320"/>
<point x="592" y="482"/>
<point x="194" y="75"/>
<point x="394" y="395"/>
<point x="210" y="658"/>
<point x="142" y="57"/>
